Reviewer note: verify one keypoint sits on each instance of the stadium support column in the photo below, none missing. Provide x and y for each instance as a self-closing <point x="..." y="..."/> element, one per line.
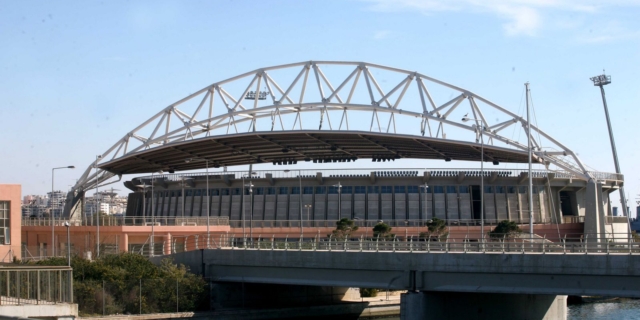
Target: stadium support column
<point x="594" y="219"/>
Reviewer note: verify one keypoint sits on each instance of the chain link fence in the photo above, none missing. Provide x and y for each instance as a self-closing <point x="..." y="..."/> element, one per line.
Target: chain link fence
<point x="139" y="296"/>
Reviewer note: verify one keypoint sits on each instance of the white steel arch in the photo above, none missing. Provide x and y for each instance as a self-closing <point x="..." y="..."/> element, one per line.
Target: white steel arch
<point x="327" y="95"/>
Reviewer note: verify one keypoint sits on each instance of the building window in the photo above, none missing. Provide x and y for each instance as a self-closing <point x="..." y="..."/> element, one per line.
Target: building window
<point x="451" y="189"/>
<point x="283" y="190"/>
<point x="438" y="189"/>
<point x="373" y="189"/>
<point x="224" y="192"/>
<point x="413" y="189"/>
<point x="386" y="189"/>
<point x="271" y="190"/>
<point x="347" y="190"/>
<point x="235" y="191"/>
<point x="295" y="190"/>
<point x="361" y="190"/>
<point x="511" y="189"/>
<point x="307" y="190"/>
<point x="463" y="189"/>
<point x="259" y="191"/>
<point x="321" y="190"/>
<point x="499" y="189"/>
<point x="399" y="189"/>
<point x="488" y="189"/>
<point x="5" y="235"/>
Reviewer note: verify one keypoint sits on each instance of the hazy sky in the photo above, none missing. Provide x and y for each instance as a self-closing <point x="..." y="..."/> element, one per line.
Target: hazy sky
<point x="76" y="76"/>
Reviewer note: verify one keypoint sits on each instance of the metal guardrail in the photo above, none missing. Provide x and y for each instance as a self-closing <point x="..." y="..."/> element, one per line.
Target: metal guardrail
<point x="512" y="243"/>
<point x="35" y="285"/>
<point x="371" y="223"/>
<point x="224" y="221"/>
<point x="109" y="221"/>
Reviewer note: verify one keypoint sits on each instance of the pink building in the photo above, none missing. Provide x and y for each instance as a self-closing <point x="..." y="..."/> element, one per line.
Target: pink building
<point x="10" y="222"/>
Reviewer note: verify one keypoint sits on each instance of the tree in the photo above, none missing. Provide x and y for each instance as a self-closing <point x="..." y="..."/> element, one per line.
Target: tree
<point x="435" y="228"/>
<point x="344" y="228"/>
<point x="124" y="275"/>
<point x="505" y="229"/>
<point x="382" y="230"/>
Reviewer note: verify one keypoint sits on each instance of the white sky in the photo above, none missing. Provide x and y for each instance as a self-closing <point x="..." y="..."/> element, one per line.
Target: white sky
<point x="76" y="76"/>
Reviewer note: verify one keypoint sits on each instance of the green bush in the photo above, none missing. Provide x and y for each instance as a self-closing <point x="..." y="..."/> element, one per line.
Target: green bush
<point x="382" y="231"/>
<point x="368" y="292"/>
<point x="118" y="279"/>
<point x="505" y="229"/>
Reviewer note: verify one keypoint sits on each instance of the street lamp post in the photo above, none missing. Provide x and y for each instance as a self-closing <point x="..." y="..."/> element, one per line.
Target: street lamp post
<point x="207" y="197"/>
<point x="250" y="186"/>
<point x="308" y="206"/>
<point x="66" y="224"/>
<point x="601" y="81"/>
<point x="53" y="239"/>
<point x="482" y="128"/>
<point x="424" y="203"/>
<point x="300" y="197"/>
<point x="153" y="215"/>
<point x="339" y="186"/>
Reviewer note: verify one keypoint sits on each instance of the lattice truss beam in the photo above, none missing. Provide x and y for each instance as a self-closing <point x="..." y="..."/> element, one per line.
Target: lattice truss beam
<point x="324" y="95"/>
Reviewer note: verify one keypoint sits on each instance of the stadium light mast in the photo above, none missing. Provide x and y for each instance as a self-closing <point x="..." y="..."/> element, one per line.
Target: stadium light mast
<point x="601" y="81"/>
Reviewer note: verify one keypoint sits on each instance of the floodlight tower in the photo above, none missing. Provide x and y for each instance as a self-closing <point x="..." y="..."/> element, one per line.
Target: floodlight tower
<point x="601" y="81"/>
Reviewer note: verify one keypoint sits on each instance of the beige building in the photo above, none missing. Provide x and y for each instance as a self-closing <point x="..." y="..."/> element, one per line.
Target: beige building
<point x="10" y="222"/>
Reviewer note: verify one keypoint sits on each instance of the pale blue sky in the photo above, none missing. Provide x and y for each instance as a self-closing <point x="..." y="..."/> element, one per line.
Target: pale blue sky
<point x="76" y="76"/>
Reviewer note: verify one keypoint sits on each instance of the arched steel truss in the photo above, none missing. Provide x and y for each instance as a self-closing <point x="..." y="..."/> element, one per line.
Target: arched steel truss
<point x="264" y="102"/>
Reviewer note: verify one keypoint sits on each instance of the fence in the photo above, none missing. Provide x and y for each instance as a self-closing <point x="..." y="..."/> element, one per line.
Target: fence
<point x="140" y="296"/>
<point x="459" y="243"/>
<point x="110" y="221"/>
<point x="22" y="285"/>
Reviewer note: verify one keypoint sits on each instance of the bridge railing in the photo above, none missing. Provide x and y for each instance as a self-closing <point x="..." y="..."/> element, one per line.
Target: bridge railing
<point x="113" y="221"/>
<point x="621" y="243"/>
<point x="23" y="285"/>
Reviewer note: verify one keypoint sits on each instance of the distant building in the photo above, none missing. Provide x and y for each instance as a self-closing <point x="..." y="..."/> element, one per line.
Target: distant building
<point x="56" y="202"/>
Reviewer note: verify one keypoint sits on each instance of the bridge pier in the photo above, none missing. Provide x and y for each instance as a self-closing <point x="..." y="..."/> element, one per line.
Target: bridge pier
<point x="466" y="305"/>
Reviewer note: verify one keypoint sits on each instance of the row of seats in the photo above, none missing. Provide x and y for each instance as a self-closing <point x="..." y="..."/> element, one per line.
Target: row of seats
<point x="396" y="173"/>
<point x="470" y="173"/>
<point x="348" y="176"/>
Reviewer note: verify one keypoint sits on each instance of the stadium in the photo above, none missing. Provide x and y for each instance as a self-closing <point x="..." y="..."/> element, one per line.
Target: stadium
<point x="288" y="150"/>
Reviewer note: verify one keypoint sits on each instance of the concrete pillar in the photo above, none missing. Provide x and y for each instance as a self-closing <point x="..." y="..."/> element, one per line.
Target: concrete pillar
<point x="465" y="305"/>
<point x="594" y="220"/>
<point x="168" y="245"/>
<point x="125" y="242"/>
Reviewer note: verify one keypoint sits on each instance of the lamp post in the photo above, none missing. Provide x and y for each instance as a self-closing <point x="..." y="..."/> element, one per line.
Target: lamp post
<point x="153" y="214"/>
<point x="482" y="128"/>
<point x="308" y="206"/>
<point x="601" y="81"/>
<point x="183" y="185"/>
<point x="300" y="197"/>
<point x="339" y="186"/>
<point x="207" y="181"/>
<point x="66" y="224"/>
<point x="250" y="186"/>
<point x="424" y="203"/>
<point x="53" y="239"/>
<point x="98" y="157"/>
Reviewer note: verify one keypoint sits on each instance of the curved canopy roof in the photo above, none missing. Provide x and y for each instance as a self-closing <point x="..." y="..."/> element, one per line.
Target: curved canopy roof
<point x="318" y="146"/>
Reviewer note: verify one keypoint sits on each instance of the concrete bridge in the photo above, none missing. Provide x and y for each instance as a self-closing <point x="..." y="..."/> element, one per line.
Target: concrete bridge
<point x="515" y="285"/>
